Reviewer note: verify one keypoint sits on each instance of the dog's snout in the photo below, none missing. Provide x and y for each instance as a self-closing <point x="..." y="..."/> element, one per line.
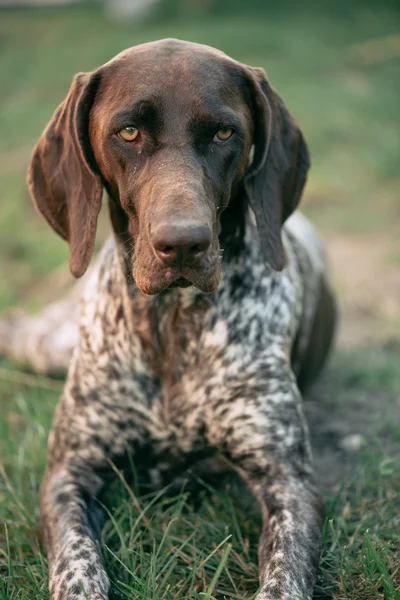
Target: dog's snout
<point x="181" y="243"/>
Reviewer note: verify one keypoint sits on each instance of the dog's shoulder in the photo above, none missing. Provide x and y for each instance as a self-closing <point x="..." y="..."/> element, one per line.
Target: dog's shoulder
<point x="302" y="239"/>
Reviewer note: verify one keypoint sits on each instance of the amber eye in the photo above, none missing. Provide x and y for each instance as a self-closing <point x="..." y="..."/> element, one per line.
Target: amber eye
<point x="129" y="134"/>
<point x="223" y="134"/>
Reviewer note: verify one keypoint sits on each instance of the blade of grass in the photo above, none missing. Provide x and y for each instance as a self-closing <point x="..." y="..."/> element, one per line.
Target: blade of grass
<point x="208" y="594"/>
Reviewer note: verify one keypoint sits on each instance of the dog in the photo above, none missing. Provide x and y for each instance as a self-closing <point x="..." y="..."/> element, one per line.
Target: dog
<point x="209" y="312"/>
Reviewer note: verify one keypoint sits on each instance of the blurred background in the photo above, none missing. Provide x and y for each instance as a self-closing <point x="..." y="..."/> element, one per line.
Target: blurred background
<point x="337" y="66"/>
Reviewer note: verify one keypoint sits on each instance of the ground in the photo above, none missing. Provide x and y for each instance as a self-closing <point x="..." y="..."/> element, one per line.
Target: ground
<point x="337" y="68"/>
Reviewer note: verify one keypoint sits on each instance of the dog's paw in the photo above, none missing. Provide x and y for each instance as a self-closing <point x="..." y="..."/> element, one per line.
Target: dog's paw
<point x="268" y="593"/>
<point x="78" y="578"/>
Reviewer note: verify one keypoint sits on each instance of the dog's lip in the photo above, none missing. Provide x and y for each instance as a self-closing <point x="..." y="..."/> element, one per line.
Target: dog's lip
<point x="174" y="278"/>
<point x="180" y="282"/>
<point x="170" y="275"/>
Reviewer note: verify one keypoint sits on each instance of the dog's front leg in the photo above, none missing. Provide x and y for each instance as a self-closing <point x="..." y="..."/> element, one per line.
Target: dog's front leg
<point x="289" y="546"/>
<point x="263" y="434"/>
<point x="75" y="565"/>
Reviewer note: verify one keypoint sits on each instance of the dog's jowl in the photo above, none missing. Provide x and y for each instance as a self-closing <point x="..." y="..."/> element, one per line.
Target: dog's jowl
<point x="208" y="312"/>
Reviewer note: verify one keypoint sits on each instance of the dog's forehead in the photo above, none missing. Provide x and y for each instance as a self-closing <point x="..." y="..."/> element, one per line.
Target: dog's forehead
<point x="172" y="55"/>
<point x="176" y="68"/>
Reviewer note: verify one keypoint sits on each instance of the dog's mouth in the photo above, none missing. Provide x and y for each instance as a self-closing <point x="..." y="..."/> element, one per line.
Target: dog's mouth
<point x="205" y="280"/>
<point x="181" y="282"/>
<point x="178" y="278"/>
<point x="152" y="277"/>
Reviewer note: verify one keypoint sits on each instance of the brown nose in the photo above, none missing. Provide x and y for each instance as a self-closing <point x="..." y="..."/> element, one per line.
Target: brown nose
<point x="181" y="243"/>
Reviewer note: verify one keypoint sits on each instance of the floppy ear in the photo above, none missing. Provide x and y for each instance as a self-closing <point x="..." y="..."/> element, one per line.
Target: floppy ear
<point x="63" y="178"/>
<point x="276" y="177"/>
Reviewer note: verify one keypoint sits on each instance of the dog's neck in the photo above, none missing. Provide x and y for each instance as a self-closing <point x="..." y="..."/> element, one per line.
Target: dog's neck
<point x="182" y="309"/>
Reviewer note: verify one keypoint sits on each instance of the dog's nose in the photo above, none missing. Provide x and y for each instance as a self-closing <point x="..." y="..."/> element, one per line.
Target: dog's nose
<point x="181" y="243"/>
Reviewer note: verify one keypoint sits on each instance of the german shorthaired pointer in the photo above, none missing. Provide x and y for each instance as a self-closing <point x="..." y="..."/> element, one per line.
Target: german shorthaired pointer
<point x="204" y="319"/>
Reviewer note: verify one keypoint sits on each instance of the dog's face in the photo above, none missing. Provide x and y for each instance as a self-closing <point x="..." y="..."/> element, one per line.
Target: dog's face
<point x="167" y="128"/>
<point x="171" y="133"/>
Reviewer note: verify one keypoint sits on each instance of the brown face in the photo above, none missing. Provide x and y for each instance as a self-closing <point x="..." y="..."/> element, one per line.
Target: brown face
<point x="167" y="128"/>
<point x="171" y="132"/>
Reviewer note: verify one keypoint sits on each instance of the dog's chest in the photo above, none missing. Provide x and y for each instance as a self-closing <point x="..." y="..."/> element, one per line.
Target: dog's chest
<point x="169" y="329"/>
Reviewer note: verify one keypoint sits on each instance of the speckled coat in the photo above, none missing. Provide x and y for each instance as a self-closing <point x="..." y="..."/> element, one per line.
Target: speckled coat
<point x="223" y="383"/>
<point x="171" y="375"/>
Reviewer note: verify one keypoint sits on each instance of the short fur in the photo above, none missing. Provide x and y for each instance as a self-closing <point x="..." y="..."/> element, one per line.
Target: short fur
<point x="168" y="371"/>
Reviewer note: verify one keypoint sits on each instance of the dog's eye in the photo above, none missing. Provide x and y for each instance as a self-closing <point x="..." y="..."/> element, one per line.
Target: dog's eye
<point x="129" y="134"/>
<point x="223" y="134"/>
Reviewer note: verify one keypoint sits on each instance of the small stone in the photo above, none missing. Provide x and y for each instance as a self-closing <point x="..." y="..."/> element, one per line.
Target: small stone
<point x="352" y="442"/>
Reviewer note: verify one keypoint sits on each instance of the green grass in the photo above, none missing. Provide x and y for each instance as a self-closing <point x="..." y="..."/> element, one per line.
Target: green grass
<point x="165" y="546"/>
<point x="347" y="104"/>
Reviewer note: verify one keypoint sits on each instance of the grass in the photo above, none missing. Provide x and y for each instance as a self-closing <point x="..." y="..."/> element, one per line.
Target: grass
<point x="346" y="99"/>
<point x="166" y="546"/>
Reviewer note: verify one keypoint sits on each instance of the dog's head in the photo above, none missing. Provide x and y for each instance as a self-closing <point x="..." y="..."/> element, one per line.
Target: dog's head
<point x="168" y="128"/>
